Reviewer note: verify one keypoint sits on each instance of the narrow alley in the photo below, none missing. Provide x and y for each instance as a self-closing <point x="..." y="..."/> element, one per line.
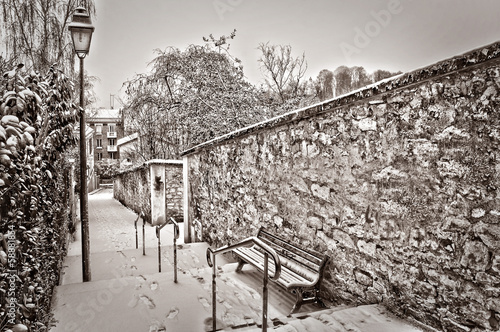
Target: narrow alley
<point x="128" y="294"/>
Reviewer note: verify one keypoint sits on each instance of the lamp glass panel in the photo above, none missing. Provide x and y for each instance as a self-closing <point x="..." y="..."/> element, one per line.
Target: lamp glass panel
<point x="81" y="39"/>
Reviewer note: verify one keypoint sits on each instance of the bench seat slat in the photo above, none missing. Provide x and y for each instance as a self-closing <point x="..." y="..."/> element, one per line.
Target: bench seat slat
<point x="256" y="258"/>
<point x="297" y="256"/>
<point x="300" y="269"/>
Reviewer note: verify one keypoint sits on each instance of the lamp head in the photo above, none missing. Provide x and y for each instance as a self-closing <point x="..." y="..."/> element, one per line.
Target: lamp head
<point x="81" y="29"/>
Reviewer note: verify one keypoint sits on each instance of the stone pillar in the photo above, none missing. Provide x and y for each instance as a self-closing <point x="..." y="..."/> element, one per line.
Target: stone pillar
<point x="186" y="196"/>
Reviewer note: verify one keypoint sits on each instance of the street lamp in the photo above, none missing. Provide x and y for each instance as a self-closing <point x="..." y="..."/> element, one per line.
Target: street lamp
<point x="81" y="29"/>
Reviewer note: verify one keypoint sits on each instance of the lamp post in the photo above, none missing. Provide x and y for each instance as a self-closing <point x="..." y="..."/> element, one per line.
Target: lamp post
<point x="72" y="191"/>
<point x="81" y="29"/>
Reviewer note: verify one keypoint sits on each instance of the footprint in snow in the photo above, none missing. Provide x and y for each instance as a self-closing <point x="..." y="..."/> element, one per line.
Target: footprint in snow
<point x="157" y="327"/>
<point x="227" y="305"/>
<point x="239" y="296"/>
<point x="154" y="285"/>
<point x="147" y="301"/>
<point x="173" y="313"/>
<point x="229" y="283"/>
<point x="255" y="295"/>
<point x="204" y="302"/>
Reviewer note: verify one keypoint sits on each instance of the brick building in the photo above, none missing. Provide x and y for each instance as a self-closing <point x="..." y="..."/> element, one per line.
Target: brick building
<point x="108" y="128"/>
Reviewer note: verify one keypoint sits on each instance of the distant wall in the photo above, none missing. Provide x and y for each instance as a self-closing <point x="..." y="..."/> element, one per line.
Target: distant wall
<point x="399" y="183"/>
<point x="132" y="189"/>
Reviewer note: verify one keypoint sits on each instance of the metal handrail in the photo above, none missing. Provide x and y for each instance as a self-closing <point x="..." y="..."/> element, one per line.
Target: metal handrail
<point x="176" y="236"/>
<point x="176" y="228"/>
<point x="267" y="251"/>
<point x="141" y="215"/>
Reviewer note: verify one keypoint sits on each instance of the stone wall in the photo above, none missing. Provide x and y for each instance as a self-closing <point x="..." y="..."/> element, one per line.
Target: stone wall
<point x="399" y="183"/>
<point x="132" y="189"/>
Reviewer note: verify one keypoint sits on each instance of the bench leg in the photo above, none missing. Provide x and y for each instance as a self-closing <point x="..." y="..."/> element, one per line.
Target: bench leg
<point x="240" y="265"/>
<point x="299" y="299"/>
<point x="320" y="303"/>
<point x="310" y="298"/>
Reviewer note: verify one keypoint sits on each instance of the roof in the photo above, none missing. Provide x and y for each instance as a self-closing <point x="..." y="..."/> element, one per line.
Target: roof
<point x="104" y="115"/>
<point x="127" y="139"/>
<point x="164" y="161"/>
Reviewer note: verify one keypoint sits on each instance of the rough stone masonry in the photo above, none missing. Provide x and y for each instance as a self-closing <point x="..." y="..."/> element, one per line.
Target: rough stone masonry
<point x="132" y="189"/>
<point x="399" y="182"/>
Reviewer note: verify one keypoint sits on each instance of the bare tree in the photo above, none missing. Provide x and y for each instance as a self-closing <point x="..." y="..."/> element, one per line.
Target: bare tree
<point x="189" y="97"/>
<point x="325" y="84"/>
<point x="359" y="77"/>
<point x="346" y="79"/>
<point x="282" y="71"/>
<point x="35" y="32"/>
<point x="381" y="74"/>
<point x="343" y="80"/>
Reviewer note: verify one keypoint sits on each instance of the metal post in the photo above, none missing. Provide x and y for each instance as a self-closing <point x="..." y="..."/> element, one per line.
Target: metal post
<point x="83" y="187"/>
<point x="136" y="237"/>
<point x="175" y="255"/>
<point x="72" y="194"/>
<point x="143" y="238"/>
<point x="214" y="295"/>
<point x="264" y="293"/>
<point x="159" y="248"/>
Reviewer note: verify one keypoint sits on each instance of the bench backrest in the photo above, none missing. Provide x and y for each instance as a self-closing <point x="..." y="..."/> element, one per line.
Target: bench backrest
<point x="309" y="259"/>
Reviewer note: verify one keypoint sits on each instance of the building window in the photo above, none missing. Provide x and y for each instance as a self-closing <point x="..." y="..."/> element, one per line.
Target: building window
<point x="98" y="129"/>
<point x="111" y="130"/>
<point x="111" y="155"/>
<point x="112" y="141"/>
<point x="99" y="155"/>
<point x="99" y="143"/>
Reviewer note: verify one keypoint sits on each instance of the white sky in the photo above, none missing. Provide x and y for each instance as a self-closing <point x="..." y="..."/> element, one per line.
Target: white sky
<point x="408" y="34"/>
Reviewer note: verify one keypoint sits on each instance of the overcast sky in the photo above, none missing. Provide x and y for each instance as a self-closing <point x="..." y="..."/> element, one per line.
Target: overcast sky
<point x="376" y="34"/>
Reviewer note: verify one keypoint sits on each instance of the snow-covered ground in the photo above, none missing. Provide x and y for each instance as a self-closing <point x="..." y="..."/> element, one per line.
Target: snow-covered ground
<point x="128" y="294"/>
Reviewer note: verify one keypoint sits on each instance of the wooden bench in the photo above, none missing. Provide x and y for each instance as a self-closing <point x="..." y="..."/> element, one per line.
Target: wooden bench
<point x="301" y="269"/>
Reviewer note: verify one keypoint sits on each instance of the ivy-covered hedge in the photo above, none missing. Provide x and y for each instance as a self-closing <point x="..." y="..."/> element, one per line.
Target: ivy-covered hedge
<point x="37" y="120"/>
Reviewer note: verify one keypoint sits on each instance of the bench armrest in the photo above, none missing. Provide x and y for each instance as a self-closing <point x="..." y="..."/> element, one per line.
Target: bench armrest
<point x="249" y="241"/>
